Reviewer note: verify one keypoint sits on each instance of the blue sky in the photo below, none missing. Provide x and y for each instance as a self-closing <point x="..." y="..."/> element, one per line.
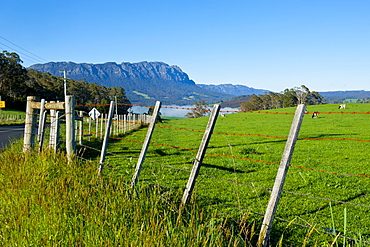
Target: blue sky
<point x="273" y="45"/>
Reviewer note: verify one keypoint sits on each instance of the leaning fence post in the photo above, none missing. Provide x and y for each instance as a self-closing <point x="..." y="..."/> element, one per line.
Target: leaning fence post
<point x="280" y="177"/>
<point x="42" y="130"/>
<point x="200" y="155"/>
<point x="106" y="137"/>
<point x="30" y="125"/>
<point x="146" y="144"/>
<point x="41" y="119"/>
<point x="70" y="126"/>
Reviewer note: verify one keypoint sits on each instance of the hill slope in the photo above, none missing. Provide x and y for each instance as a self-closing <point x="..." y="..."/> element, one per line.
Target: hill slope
<point x="346" y="96"/>
<point x="144" y="82"/>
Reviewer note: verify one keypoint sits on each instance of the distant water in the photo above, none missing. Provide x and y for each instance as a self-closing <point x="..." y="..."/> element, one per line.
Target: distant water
<point x="175" y="110"/>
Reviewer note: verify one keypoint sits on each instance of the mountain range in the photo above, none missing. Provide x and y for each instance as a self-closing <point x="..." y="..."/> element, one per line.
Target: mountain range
<point x="146" y="82"/>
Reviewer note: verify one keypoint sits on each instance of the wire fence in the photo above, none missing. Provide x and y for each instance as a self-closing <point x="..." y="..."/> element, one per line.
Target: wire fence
<point x="241" y="183"/>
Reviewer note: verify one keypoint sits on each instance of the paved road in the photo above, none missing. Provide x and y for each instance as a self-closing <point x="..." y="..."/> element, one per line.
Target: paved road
<point x="9" y="133"/>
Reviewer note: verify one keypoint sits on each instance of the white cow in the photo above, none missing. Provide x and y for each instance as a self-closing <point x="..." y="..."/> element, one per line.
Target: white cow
<point x="342" y="106"/>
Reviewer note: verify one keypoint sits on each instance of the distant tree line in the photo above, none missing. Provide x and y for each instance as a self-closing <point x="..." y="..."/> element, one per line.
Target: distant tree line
<point x="16" y="83"/>
<point x="200" y="110"/>
<point x="288" y="98"/>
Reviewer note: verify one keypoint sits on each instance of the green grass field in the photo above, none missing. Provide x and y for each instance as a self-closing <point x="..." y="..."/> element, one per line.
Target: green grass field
<point x="46" y="202"/>
<point x="237" y="184"/>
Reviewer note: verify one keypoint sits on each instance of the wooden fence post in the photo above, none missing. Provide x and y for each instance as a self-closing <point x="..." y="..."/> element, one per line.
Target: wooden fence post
<point x="52" y="127"/>
<point x="106" y="137"/>
<point x="90" y="128"/>
<point x="200" y="155"/>
<point x="30" y="126"/>
<point x="101" y="125"/>
<point x="280" y="177"/>
<point x="81" y="127"/>
<point x="41" y="119"/>
<point x="70" y="126"/>
<point x="42" y="129"/>
<point x="96" y="127"/>
<point x="57" y="131"/>
<point x="144" y="149"/>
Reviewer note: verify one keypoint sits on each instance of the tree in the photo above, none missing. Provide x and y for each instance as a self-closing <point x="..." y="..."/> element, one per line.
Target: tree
<point x="289" y="98"/>
<point x="12" y="77"/>
<point x="254" y="103"/>
<point x="275" y="100"/>
<point x="302" y="93"/>
<point x="315" y="98"/>
<point x="200" y="109"/>
<point x="265" y="101"/>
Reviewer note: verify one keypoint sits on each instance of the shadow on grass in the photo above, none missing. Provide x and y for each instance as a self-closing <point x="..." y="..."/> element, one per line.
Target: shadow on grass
<point x="333" y="205"/>
<point x="95" y="145"/>
<point x="226" y="168"/>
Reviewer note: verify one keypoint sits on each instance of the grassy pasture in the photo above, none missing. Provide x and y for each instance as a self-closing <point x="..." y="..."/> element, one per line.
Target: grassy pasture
<point x="240" y="183"/>
<point x="46" y="202"/>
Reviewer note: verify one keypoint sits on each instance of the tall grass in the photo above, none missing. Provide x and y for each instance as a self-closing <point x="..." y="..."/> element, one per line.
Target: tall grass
<point x="46" y="201"/>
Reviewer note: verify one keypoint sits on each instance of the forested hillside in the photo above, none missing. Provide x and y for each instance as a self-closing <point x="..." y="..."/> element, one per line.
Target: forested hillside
<point x="16" y="83"/>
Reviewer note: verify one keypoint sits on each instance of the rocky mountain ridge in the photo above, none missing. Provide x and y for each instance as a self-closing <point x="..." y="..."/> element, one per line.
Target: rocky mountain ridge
<point x="100" y="72"/>
<point x="144" y="82"/>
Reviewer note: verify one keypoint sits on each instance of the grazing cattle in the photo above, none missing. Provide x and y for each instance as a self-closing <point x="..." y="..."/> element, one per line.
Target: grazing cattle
<point x="342" y="106"/>
<point x="315" y="114"/>
<point x="222" y="115"/>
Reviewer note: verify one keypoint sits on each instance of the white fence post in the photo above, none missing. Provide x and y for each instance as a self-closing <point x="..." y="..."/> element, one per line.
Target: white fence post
<point x="52" y="127"/>
<point x="144" y="149"/>
<point x="90" y="128"/>
<point x="106" y="137"/>
<point x="81" y="127"/>
<point x="30" y="125"/>
<point x="96" y="127"/>
<point x="70" y="126"/>
<point x="41" y="119"/>
<point x="280" y="177"/>
<point x="57" y="131"/>
<point x="42" y="123"/>
<point x="200" y="155"/>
